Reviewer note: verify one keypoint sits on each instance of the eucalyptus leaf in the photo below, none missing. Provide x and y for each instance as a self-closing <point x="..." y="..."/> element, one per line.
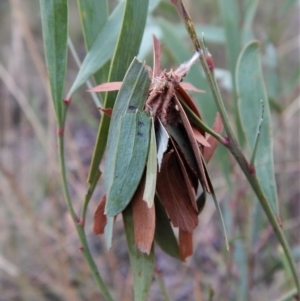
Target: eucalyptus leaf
<point x="251" y="91"/>
<point x="130" y="36"/>
<point x="55" y="35"/>
<point x="93" y="16"/>
<point x="142" y="264"/>
<point x="102" y="49"/>
<point x="125" y="166"/>
<point x="247" y="30"/>
<point x="231" y="21"/>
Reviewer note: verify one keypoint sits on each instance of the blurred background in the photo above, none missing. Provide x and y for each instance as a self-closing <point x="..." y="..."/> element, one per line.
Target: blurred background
<point x="39" y="249"/>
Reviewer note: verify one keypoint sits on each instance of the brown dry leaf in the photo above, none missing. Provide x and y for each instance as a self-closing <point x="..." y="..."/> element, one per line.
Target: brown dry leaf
<point x="106" y="87"/>
<point x="106" y="111"/>
<point x="218" y="128"/>
<point x="143" y="220"/>
<point x="156" y="57"/>
<point x="195" y="147"/>
<point x="186" y="177"/>
<point x="185" y="244"/>
<point x="100" y="217"/>
<point x="199" y="137"/>
<point x="174" y="194"/>
<point x="186" y="98"/>
<point x="190" y="87"/>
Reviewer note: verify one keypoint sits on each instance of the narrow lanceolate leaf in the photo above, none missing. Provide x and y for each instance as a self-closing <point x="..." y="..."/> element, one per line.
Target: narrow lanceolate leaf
<point x="151" y="170"/>
<point x="132" y="96"/>
<point x="143" y="220"/>
<point x="126" y="164"/>
<point x="129" y="137"/>
<point x="93" y="16"/>
<point x="128" y="44"/>
<point x="251" y="90"/>
<point x="142" y="264"/>
<point x="102" y="49"/>
<point x="164" y="234"/>
<point x="55" y="33"/>
<point x="230" y="16"/>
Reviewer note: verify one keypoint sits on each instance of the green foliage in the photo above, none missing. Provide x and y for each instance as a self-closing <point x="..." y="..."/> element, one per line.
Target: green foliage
<point x="251" y="91"/>
<point x="55" y="33"/>
<point x="113" y="35"/>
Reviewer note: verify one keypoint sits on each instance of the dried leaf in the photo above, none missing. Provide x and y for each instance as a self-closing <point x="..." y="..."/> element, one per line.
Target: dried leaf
<point x="174" y="195"/>
<point x="156" y="57"/>
<point x="185" y="244"/>
<point x="99" y="217"/>
<point x="106" y="111"/>
<point x="199" y="137"/>
<point x="143" y="220"/>
<point x="190" y="87"/>
<point x="180" y="92"/>
<point x="218" y="128"/>
<point x="106" y="87"/>
<point x="186" y="177"/>
<point x="195" y="147"/>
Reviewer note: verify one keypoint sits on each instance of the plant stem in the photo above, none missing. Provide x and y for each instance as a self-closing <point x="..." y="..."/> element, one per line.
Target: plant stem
<point x="233" y="144"/>
<point x="79" y="225"/>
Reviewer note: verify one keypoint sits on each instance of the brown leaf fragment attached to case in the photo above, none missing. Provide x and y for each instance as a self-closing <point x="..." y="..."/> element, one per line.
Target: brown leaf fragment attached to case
<point x="185" y="244"/>
<point x="218" y="128"/>
<point x="100" y="217"/>
<point x="143" y="220"/>
<point x="107" y="87"/>
<point x="174" y="194"/>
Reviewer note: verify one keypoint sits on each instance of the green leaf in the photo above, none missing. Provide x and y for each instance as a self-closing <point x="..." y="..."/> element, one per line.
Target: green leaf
<point x="55" y="35"/>
<point x="151" y="170"/>
<point x="251" y="90"/>
<point x="93" y="16"/>
<point x="133" y="24"/>
<point x="231" y="21"/>
<point x="102" y="49"/>
<point x="126" y="163"/>
<point x="132" y="96"/>
<point x="164" y="234"/>
<point x="142" y="264"/>
<point x="247" y="31"/>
